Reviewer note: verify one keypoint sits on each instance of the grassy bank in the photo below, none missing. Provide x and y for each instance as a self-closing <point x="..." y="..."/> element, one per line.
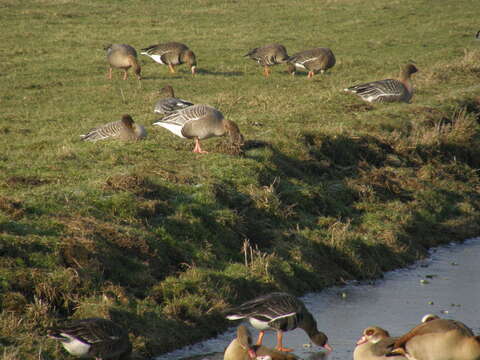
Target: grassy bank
<point x="161" y="240"/>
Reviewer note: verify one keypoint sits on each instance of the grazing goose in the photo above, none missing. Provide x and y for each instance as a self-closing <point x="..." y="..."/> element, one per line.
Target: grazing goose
<point x="124" y="129"/>
<point x="374" y="345"/>
<point x="98" y="338"/>
<point x="169" y="103"/>
<point x="241" y="348"/>
<point x="280" y="312"/>
<point x="172" y="54"/>
<point x="313" y="60"/>
<point x="200" y="122"/>
<point x="122" y="56"/>
<point x="389" y="90"/>
<point x="268" y="55"/>
<point x="439" y="339"/>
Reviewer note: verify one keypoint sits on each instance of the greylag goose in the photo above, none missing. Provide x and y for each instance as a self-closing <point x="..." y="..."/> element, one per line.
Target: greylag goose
<point x="124" y="129"/>
<point x="268" y="55"/>
<point x="280" y="312"/>
<point x="200" y="122"/>
<point x="122" y="56"/>
<point x="374" y="345"/>
<point x="169" y="103"/>
<point x="313" y="60"/>
<point x="439" y="339"/>
<point x="389" y="90"/>
<point x="172" y="54"/>
<point x="241" y="348"/>
<point x="98" y="338"/>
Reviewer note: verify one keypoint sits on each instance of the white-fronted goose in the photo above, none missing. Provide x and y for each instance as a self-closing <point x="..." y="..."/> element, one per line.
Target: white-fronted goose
<point x="122" y="56"/>
<point x="169" y="103"/>
<point x="389" y="90"/>
<point x="98" y="338"/>
<point x="280" y="312"/>
<point x="172" y="54"/>
<point x="313" y="60"/>
<point x="241" y="348"/>
<point x="268" y="55"/>
<point x="429" y="317"/>
<point x="200" y="122"/>
<point x="374" y="344"/>
<point x="439" y="339"/>
<point x="125" y="129"/>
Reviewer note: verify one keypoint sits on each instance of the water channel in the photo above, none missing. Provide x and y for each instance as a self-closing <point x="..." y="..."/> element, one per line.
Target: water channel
<point x="446" y="283"/>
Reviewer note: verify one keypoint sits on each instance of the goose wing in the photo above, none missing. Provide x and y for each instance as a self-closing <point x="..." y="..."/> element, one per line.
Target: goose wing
<point x="274" y="308"/>
<point x="380" y="91"/>
<point x="110" y="130"/>
<point x="168" y="105"/>
<point x="183" y="116"/>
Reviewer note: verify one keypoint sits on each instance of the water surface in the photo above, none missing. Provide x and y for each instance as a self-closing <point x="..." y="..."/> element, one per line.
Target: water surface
<point x="445" y="284"/>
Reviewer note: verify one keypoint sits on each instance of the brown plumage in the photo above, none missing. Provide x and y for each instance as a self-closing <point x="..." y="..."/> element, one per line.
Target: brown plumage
<point x="125" y="129"/>
<point x="122" y="56"/>
<point x="313" y="60"/>
<point x="99" y="338"/>
<point x="172" y="54"/>
<point x="374" y="344"/>
<point x="269" y="55"/>
<point x="439" y="339"/>
<point x="201" y="122"/>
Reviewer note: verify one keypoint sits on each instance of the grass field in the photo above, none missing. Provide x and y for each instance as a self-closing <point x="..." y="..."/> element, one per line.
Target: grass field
<point x="161" y="240"/>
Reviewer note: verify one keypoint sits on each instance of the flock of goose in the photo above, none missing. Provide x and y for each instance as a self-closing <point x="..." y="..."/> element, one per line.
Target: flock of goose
<point x="433" y="339"/>
<point x="199" y="121"/>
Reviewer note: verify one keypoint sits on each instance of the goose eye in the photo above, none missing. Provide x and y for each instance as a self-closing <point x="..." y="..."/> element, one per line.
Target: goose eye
<point x="369" y="332"/>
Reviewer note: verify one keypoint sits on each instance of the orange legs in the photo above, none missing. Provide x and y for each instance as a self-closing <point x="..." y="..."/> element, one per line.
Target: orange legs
<point x="279" y="346"/>
<point x="310" y="74"/>
<point x="260" y="337"/>
<point x="197" y="148"/>
<point x="125" y="74"/>
<point x="266" y="71"/>
<point x="109" y="74"/>
<point x="171" y="68"/>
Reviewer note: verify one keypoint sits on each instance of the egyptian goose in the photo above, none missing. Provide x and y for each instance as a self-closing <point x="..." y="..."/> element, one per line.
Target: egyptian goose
<point x="389" y="90"/>
<point x="172" y="54"/>
<point x="122" y="56"/>
<point x="374" y="345"/>
<point x="439" y="339"/>
<point x="268" y="55"/>
<point x="280" y="312"/>
<point x="200" y="122"/>
<point x="169" y="103"/>
<point x="313" y="60"/>
<point x="125" y="129"/>
<point x="98" y="338"/>
<point x="241" y="348"/>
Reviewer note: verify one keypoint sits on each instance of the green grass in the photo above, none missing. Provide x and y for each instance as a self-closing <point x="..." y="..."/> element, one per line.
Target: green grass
<point x="162" y="240"/>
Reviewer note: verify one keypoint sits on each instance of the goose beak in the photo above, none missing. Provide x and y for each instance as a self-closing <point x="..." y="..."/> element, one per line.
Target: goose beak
<point x="252" y="354"/>
<point x="328" y="347"/>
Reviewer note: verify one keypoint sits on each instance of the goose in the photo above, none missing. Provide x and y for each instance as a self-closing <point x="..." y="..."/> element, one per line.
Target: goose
<point x="200" y="122"/>
<point x="280" y="312"/>
<point x="169" y="103"/>
<point x="124" y="129"/>
<point x="94" y="337"/>
<point x="313" y="60"/>
<point x="122" y="56"/>
<point x="439" y="339"/>
<point x="268" y="55"/>
<point x="374" y="345"/>
<point x="172" y="54"/>
<point x="241" y="348"/>
<point x="389" y="90"/>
